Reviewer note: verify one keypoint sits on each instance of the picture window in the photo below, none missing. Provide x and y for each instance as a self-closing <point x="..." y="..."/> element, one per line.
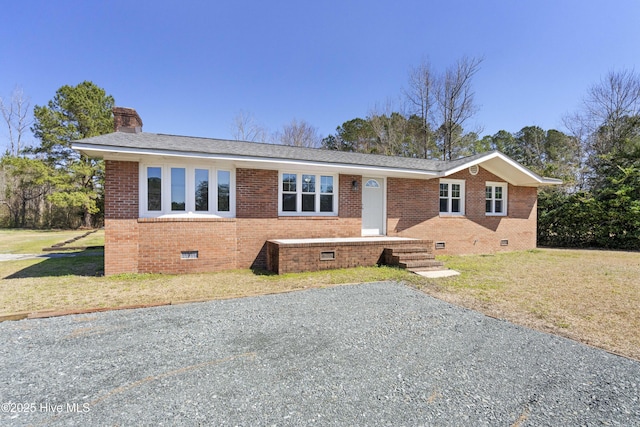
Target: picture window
<point x="186" y="190"/>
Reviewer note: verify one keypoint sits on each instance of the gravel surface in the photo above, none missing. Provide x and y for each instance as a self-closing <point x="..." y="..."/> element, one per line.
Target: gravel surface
<point x="372" y="354"/>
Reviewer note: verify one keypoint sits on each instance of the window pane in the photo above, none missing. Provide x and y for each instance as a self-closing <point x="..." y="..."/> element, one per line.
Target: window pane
<point x="308" y="184"/>
<point x="154" y="189"/>
<point x="498" y="192"/>
<point x="455" y="205"/>
<point x="202" y="189"/>
<point x="444" y="192"/>
<point x="308" y="202"/>
<point x="288" y="182"/>
<point x="224" y="184"/>
<point x="487" y="208"/>
<point x="444" y="205"/>
<point x="289" y="202"/>
<point x="326" y="203"/>
<point x="177" y="189"/>
<point x="455" y="190"/>
<point x="489" y="192"/>
<point x="498" y="206"/>
<point x="326" y="185"/>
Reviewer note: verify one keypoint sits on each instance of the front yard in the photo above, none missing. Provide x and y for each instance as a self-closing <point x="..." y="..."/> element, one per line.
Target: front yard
<point x="589" y="296"/>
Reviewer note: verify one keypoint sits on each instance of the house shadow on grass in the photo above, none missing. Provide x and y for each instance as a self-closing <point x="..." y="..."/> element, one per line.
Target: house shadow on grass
<point x="263" y="272"/>
<point x="88" y="263"/>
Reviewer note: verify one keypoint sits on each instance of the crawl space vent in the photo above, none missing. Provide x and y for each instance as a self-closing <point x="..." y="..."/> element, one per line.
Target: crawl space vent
<point x="189" y="255"/>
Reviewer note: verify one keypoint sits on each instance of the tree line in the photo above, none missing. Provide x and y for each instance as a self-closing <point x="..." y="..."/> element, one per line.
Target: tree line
<point x="597" y="156"/>
<point x="50" y="185"/>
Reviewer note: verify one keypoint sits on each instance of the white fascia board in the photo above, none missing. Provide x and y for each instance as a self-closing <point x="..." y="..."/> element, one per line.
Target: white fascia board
<point x="534" y="179"/>
<point x="136" y="154"/>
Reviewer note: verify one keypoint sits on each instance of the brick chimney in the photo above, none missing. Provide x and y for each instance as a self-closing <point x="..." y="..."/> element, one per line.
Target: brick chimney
<point x="126" y="120"/>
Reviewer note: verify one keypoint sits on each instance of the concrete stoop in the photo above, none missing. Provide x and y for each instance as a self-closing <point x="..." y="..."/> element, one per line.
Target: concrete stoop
<point x="417" y="259"/>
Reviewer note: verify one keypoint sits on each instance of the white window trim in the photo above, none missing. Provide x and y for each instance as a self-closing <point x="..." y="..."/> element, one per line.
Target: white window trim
<point x="462" y="196"/>
<point x="505" y="197"/>
<point x="190" y="202"/>
<point x="298" y="211"/>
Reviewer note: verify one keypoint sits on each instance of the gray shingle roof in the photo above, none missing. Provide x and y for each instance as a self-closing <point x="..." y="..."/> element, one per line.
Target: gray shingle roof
<point x="185" y="144"/>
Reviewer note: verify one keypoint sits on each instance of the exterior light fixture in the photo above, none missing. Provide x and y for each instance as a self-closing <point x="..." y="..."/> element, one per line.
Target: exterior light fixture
<point x="354" y="185"/>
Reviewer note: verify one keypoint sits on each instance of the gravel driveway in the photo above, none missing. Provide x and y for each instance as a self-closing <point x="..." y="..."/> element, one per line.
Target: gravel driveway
<point x="372" y="354"/>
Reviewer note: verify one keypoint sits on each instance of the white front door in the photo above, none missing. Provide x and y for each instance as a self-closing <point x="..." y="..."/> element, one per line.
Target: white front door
<point x="373" y="206"/>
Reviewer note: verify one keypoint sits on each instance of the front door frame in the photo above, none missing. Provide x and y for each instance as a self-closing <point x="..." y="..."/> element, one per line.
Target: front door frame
<point x="382" y="231"/>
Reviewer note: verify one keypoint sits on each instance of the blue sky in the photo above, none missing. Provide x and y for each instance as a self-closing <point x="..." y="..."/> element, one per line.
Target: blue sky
<point x="188" y="67"/>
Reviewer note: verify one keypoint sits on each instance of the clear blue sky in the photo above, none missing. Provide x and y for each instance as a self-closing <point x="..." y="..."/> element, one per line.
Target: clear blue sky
<point x="189" y="67"/>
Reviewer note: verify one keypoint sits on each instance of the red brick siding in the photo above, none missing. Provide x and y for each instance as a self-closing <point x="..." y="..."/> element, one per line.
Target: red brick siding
<point x="258" y="221"/>
<point x="121" y="190"/>
<point x="120" y="246"/>
<point x="121" y="213"/>
<point x="350" y="199"/>
<point x="155" y="245"/>
<point x="163" y="240"/>
<point x="256" y="193"/>
<point x="413" y="212"/>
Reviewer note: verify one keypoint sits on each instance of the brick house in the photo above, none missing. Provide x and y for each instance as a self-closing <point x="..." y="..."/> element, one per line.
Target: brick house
<point x="178" y="204"/>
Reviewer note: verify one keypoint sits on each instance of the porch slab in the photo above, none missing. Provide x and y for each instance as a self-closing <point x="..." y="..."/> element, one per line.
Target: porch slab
<point x="323" y="240"/>
<point x="298" y="255"/>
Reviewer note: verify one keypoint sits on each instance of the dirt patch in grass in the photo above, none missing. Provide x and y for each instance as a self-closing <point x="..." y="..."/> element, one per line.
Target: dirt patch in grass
<point x="589" y="296"/>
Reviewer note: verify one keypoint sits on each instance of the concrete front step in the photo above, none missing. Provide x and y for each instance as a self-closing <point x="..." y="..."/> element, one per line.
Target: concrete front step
<point x="411" y="257"/>
<point x="410" y="264"/>
<point x="414" y="256"/>
<point x="411" y="249"/>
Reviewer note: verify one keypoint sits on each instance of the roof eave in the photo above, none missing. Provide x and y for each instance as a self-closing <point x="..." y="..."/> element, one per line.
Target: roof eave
<point x="135" y="154"/>
<point x="513" y="172"/>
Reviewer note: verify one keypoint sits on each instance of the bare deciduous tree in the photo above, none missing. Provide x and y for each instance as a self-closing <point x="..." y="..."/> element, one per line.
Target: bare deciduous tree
<point x="421" y="95"/>
<point x="603" y="122"/>
<point x="246" y="128"/>
<point x="455" y="101"/>
<point x="298" y="133"/>
<point x="607" y="106"/>
<point x="16" y="114"/>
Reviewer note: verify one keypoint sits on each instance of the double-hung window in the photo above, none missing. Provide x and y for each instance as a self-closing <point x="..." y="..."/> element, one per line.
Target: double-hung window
<point x="451" y="197"/>
<point x="186" y="190"/>
<point x="496" y="198"/>
<point x="307" y="194"/>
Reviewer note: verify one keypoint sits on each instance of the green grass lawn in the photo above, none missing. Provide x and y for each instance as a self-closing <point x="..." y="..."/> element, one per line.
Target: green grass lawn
<point x="589" y="296"/>
<point x="18" y="241"/>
